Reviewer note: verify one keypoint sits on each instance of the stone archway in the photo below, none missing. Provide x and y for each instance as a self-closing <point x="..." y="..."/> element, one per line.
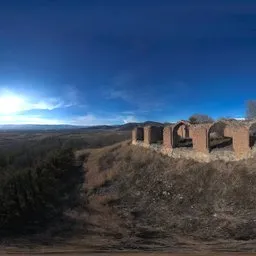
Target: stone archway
<point x="220" y="135"/>
<point x="181" y="135"/>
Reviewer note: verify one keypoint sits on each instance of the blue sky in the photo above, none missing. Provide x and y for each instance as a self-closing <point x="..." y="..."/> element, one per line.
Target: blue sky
<point x="108" y="62"/>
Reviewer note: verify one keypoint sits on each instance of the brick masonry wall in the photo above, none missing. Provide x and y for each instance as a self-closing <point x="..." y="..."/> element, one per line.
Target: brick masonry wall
<point x="228" y="132"/>
<point x="181" y="131"/>
<point x="147" y="135"/>
<point x="153" y="134"/>
<point x="241" y="141"/>
<point x="200" y="139"/>
<point x="134" y="134"/>
<point x="185" y="153"/>
<point x="200" y="135"/>
<point x="167" y="136"/>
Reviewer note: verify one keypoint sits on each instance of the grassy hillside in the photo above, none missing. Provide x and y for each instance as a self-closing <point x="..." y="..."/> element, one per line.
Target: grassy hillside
<point x="140" y="199"/>
<point x="132" y="198"/>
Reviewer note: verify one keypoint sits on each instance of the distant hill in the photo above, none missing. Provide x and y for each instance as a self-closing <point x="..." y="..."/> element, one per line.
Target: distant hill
<point x="39" y="127"/>
<point x="122" y="127"/>
<point x="22" y="127"/>
<point x="130" y="126"/>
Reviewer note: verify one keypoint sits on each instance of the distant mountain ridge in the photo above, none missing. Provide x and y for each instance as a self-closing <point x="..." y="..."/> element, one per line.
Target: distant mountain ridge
<point x="122" y="127"/>
<point x="130" y="126"/>
<point x="37" y="127"/>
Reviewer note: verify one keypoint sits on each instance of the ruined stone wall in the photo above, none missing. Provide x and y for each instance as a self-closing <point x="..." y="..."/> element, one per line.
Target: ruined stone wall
<point x="165" y="139"/>
<point x="134" y="135"/>
<point x="147" y="135"/>
<point x="153" y="134"/>
<point x="189" y="153"/>
<point x="167" y="136"/>
<point x="182" y="131"/>
<point x="241" y="142"/>
<point x="200" y="139"/>
<point x="228" y="132"/>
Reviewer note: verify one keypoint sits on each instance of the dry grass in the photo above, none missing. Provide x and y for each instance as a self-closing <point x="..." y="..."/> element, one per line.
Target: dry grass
<point x="99" y="167"/>
<point x="181" y="198"/>
<point x="137" y="199"/>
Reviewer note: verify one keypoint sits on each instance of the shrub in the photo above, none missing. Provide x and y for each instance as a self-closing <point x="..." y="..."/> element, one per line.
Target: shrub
<point x="33" y="195"/>
<point x="200" y="118"/>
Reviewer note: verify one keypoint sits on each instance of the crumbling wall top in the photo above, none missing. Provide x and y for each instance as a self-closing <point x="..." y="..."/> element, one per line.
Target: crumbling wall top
<point x="237" y="123"/>
<point x="182" y="122"/>
<point x="203" y="125"/>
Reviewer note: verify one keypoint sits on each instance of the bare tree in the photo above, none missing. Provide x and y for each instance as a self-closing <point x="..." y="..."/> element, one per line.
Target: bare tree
<point x="251" y="109"/>
<point x="200" y="118"/>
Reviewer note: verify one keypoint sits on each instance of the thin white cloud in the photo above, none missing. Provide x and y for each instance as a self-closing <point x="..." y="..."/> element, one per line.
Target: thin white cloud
<point x="130" y="119"/>
<point x="91" y="119"/>
<point x="45" y="104"/>
<point x="14" y="109"/>
<point x="86" y="120"/>
<point x="11" y="103"/>
<point x="22" y="119"/>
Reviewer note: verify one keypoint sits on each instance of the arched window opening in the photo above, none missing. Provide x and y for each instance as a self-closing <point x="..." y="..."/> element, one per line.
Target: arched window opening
<point x="140" y="134"/>
<point x="220" y="137"/>
<point x="157" y="134"/>
<point x="181" y="135"/>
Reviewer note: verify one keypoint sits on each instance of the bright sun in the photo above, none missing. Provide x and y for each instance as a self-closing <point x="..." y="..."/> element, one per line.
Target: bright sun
<point x="10" y="104"/>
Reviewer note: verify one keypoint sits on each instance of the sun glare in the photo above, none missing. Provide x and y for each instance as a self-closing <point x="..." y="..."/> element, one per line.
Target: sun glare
<point x="10" y="104"/>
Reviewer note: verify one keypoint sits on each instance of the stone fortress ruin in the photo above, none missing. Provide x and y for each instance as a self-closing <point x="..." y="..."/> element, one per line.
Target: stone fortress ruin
<point x="227" y="140"/>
